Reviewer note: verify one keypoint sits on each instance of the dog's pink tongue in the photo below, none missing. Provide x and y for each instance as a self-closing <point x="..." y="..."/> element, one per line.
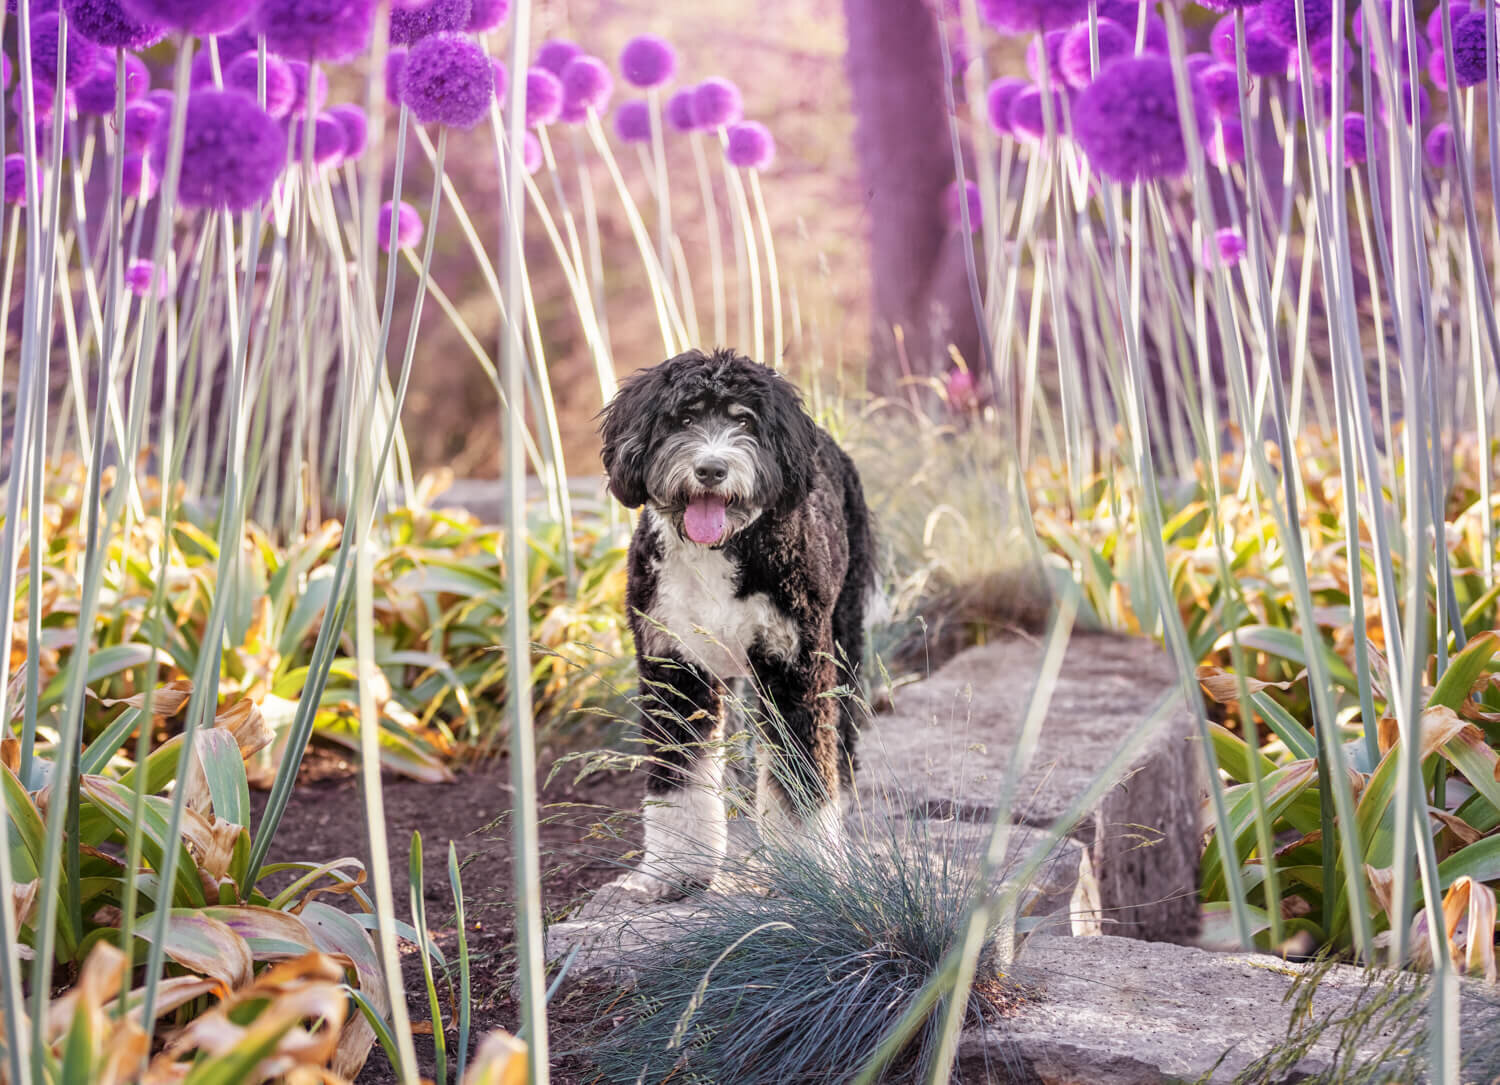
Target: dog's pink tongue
<point x="704" y="519"/>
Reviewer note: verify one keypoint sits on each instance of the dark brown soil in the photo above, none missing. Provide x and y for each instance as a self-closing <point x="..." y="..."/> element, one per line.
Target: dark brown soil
<point x="583" y="833"/>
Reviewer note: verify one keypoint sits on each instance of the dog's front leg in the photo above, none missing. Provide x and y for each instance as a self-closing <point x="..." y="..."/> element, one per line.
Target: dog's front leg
<point x="686" y="828"/>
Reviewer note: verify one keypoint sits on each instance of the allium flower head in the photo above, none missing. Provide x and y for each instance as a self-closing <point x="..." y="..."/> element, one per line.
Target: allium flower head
<point x="38" y="7"/>
<point x="750" y="146"/>
<point x="413" y="20"/>
<point x="1265" y="54"/>
<point x="1320" y="54"/>
<point x="531" y="153"/>
<point x="449" y="81"/>
<point x="1231" y="245"/>
<point x="1027" y="119"/>
<point x="233" y="151"/>
<point x="96" y="94"/>
<point x="1424" y="104"/>
<point x="633" y="121"/>
<point x="962" y="389"/>
<point x="1075" y="58"/>
<point x="1281" y="19"/>
<point x="408" y="225"/>
<point x="717" y="103"/>
<point x="554" y="55"/>
<point x="356" y="126"/>
<point x="1128" y="124"/>
<point x="544" y="97"/>
<point x="586" y="84"/>
<point x="106" y="23"/>
<point x="329" y="142"/>
<point x="395" y="71"/>
<point x="1001" y="95"/>
<point x="486" y="15"/>
<point x="1052" y="41"/>
<point x="1227" y="148"/>
<point x="143" y="120"/>
<point x="1030" y="16"/>
<point x="1124" y="12"/>
<point x="330" y="30"/>
<point x="82" y="55"/>
<point x="15" y="179"/>
<point x="1438" y="146"/>
<point x="141" y="181"/>
<point x="647" y="61"/>
<point x="1229" y="5"/>
<point x="301" y="71"/>
<point x="1404" y="45"/>
<point x="955" y="197"/>
<point x="140" y="276"/>
<point x="1457" y="9"/>
<point x="1221" y="86"/>
<point x="679" y="110"/>
<point x="194" y="16"/>
<point x="1356" y="140"/>
<point x="1196" y="62"/>
<point x="1470" y="55"/>
<point x="243" y="74"/>
<point x="502" y="78"/>
<point x="162" y="99"/>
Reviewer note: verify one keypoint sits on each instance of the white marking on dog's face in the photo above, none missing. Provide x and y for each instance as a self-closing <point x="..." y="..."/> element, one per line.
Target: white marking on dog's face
<point x="711" y="451"/>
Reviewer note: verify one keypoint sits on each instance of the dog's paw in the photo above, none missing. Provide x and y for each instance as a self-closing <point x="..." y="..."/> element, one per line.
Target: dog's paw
<point x="634" y="890"/>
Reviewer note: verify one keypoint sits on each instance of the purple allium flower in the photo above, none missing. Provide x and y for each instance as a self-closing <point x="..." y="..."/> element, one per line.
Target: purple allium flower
<point x="1281" y="19"/>
<point x="194" y="16"/>
<point x="331" y="30"/>
<point x="953" y="209"/>
<point x="647" y="61"/>
<point x="1470" y="55"/>
<point x="1320" y="53"/>
<point x="38" y="7"/>
<point x="162" y="99"/>
<point x="553" y="56"/>
<point x="1231" y="245"/>
<point x="141" y="181"/>
<point x="1124" y="12"/>
<point x="300" y="71"/>
<point x="15" y="179"/>
<point x="1356" y="142"/>
<point x="42" y="96"/>
<point x="106" y="23"/>
<point x="1156" y="34"/>
<point x="962" y="389"/>
<point x="329" y="142"/>
<point x="679" y="110"/>
<point x="750" y="146"/>
<point x="544" y="97"/>
<point x="1075" y="58"/>
<point x="356" y="126"/>
<point x="96" y="94"/>
<point x="1053" y="41"/>
<point x="413" y="20"/>
<point x="142" y="122"/>
<point x="1424" y="104"/>
<point x="243" y="74"/>
<point x="502" y="78"/>
<point x="1227" y="5"/>
<point x="448" y="81"/>
<point x="1438" y="146"/>
<point x="139" y="278"/>
<point x="1221" y="86"/>
<point x="486" y="15"/>
<point x="1027" y="121"/>
<point x="717" y="103"/>
<point x="1196" y="62"/>
<point x="395" y="71"/>
<point x="633" y="121"/>
<point x="1028" y="16"/>
<point x="83" y="56"/>
<point x="1265" y="54"/>
<point x="233" y="151"/>
<point x="1227" y="148"/>
<point x="1403" y="43"/>
<point x="408" y="226"/>
<point x="1127" y="120"/>
<point x="1001" y="96"/>
<point x="531" y="153"/>
<point x="1437" y="69"/>
<point x="586" y="84"/>
<point x="1457" y="9"/>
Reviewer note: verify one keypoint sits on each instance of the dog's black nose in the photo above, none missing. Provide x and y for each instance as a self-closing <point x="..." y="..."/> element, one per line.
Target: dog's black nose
<point x="711" y="472"/>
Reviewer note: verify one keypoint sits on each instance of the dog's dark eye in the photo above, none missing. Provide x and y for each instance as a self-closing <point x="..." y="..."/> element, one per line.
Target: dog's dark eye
<point x="746" y="424"/>
<point x="685" y="421"/>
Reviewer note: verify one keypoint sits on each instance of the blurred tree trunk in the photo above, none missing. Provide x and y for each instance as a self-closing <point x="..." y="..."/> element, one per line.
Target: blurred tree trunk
<point x="895" y="66"/>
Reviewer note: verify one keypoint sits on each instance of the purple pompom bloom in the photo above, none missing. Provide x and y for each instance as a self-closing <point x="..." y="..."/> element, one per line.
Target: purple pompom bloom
<point x="679" y="110"/>
<point x="1124" y="12"/>
<point x="162" y="99"/>
<point x="1221" y="86"/>
<point x="1320" y="54"/>
<point x="633" y="121"/>
<point x="300" y="72"/>
<point x="1438" y="146"/>
<point x="38" y="7"/>
<point x="1053" y="41"/>
<point x="502" y="78"/>
<point x="82" y="58"/>
<point x="408" y="225"/>
<point x="1424" y="104"/>
<point x="106" y="23"/>
<point x="647" y="61"/>
<point x="586" y="84"/>
<point x="1470" y="55"/>
<point x="1230" y="244"/>
<point x="96" y="94"/>
<point x="356" y="126"/>
<point x="141" y="181"/>
<point x="331" y="30"/>
<point x="1228" y="5"/>
<point x="1028" y="16"/>
<point x="1457" y="9"/>
<point x="139" y="278"/>
<point x="1075" y="57"/>
<point x="413" y="20"/>
<point x="553" y="56"/>
<point x="143" y="120"/>
<point x="15" y="180"/>
<point x="1265" y="54"/>
<point x="750" y="146"/>
<point x="1227" y="148"/>
<point x="243" y="75"/>
<point x="329" y="142"/>
<point x="448" y="81"/>
<point x="1356" y="140"/>
<point x="1196" y="62"/>
<point x="194" y="16"/>
<point x="1128" y="124"/>
<point x="486" y="15"/>
<point x="717" y="103"/>
<point x="953" y="210"/>
<point x="544" y="97"/>
<point x="395" y="71"/>
<point x="233" y="151"/>
<point x="1001" y="96"/>
<point x="1027" y="121"/>
<point x="1281" y="19"/>
<point x="531" y="153"/>
<point x="1403" y="43"/>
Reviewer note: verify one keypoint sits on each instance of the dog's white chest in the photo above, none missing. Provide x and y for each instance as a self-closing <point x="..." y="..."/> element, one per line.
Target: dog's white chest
<point x="701" y="618"/>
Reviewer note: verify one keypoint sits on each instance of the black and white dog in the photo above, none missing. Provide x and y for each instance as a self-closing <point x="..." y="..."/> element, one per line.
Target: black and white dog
<point x="753" y="558"/>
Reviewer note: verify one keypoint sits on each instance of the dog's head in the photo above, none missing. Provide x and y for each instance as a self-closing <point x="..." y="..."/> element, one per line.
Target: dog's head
<point x="710" y="441"/>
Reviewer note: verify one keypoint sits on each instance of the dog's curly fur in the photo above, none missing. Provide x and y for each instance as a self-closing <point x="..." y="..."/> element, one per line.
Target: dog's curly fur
<point x="778" y="597"/>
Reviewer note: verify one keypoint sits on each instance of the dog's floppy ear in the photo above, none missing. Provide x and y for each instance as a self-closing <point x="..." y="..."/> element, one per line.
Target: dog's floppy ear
<point x="626" y="429"/>
<point x="791" y="436"/>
